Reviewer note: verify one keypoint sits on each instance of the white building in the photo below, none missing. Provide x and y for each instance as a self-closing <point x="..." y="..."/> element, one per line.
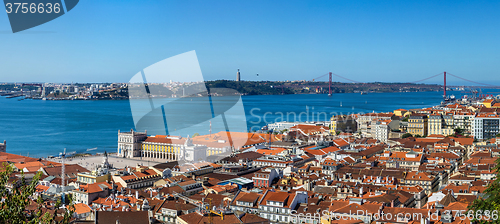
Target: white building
<point x="3" y="147"/>
<point x="485" y="126"/>
<point x="381" y="130"/>
<point x="129" y="143"/>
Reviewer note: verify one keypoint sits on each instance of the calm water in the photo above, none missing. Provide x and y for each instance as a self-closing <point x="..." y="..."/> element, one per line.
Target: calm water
<point x="41" y="128"/>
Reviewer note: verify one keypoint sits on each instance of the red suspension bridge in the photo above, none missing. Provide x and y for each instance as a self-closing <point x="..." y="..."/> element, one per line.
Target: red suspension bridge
<point x="444" y="74"/>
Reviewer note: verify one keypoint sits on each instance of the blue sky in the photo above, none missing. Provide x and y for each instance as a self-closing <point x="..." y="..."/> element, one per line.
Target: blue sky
<point x="110" y="41"/>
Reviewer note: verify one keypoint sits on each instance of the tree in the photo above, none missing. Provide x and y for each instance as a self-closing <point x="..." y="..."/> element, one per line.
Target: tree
<point x="459" y="131"/>
<point x="16" y="200"/>
<point x="407" y="135"/>
<point x="489" y="203"/>
<point x="498" y="136"/>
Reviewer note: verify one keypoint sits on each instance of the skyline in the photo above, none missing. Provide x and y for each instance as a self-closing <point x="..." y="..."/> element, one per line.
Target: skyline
<point x="365" y="41"/>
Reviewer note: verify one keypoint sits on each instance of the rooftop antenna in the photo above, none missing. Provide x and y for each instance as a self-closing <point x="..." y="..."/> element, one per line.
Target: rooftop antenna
<point x="210" y="128"/>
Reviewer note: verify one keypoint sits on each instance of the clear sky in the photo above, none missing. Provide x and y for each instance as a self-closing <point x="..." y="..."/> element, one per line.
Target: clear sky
<point x="110" y="41"/>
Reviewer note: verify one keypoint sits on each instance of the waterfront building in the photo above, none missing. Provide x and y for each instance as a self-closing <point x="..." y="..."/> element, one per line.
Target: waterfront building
<point x="198" y="148"/>
<point x="417" y="124"/>
<point x="129" y="143"/>
<point x="311" y="130"/>
<point x="486" y="125"/>
<point x="3" y="147"/>
<point x="163" y="147"/>
<point x="283" y="125"/>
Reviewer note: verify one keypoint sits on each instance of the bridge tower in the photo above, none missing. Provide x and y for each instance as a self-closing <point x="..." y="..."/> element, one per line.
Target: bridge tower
<point x="330" y="85"/>
<point x="444" y="86"/>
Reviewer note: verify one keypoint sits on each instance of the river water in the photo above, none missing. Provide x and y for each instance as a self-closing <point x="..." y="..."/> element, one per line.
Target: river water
<point x="39" y="128"/>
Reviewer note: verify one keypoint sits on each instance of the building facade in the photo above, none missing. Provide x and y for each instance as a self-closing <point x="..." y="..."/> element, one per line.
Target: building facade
<point x="3" y="147"/>
<point x="417" y="124"/>
<point x="486" y="126"/>
<point x="343" y="123"/>
<point x="129" y="143"/>
<point x="381" y="130"/>
<point x="162" y="147"/>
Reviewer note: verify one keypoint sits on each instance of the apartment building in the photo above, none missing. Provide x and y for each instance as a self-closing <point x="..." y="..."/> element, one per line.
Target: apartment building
<point x="418" y="124"/>
<point x="429" y="182"/>
<point x="278" y="206"/>
<point x="485" y="125"/>
<point x="246" y="202"/>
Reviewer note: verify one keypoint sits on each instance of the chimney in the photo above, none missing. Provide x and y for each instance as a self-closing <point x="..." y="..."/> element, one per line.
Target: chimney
<point x="136" y="194"/>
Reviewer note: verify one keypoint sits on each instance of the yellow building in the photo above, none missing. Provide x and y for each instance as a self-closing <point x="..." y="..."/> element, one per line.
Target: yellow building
<point x="162" y="148"/>
<point x="333" y="125"/>
<point x="92" y="177"/>
<point x="343" y="123"/>
<point x="417" y="124"/>
<point x="488" y="103"/>
<point x="400" y="112"/>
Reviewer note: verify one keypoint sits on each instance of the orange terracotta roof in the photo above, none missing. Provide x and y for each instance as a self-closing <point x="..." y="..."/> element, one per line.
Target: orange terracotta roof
<point x="272" y="151"/>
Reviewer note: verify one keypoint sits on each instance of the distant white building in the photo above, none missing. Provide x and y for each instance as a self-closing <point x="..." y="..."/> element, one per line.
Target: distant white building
<point x="278" y="126"/>
<point x="3" y="147"/>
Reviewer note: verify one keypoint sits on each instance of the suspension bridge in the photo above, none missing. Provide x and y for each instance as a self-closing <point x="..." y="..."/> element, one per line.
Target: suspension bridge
<point x="444" y="75"/>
